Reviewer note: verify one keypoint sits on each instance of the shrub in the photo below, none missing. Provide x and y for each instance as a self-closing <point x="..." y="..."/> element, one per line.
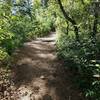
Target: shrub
<point x="16" y="29"/>
<point x="82" y="58"/>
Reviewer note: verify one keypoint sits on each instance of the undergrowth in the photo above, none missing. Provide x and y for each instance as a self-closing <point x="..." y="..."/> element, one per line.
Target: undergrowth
<point x="82" y="58"/>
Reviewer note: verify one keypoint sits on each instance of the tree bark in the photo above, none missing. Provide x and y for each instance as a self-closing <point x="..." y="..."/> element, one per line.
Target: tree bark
<point x="95" y="25"/>
<point x="67" y="28"/>
<point x="95" y="20"/>
<point x="73" y="22"/>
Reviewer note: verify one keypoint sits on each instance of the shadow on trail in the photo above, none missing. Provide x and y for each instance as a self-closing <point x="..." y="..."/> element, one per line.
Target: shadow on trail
<point x="26" y="73"/>
<point x="37" y="66"/>
<point x="33" y="61"/>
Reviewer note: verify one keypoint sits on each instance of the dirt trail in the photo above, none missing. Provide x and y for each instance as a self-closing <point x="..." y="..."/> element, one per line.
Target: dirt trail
<point x="39" y="75"/>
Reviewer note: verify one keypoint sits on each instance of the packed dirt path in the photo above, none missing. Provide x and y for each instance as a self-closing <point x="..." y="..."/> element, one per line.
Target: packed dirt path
<point x="39" y="75"/>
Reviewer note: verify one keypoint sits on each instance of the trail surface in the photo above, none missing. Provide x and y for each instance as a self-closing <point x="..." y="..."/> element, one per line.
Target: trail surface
<point x="39" y="75"/>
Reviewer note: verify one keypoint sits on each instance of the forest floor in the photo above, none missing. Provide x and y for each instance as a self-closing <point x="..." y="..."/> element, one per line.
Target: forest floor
<point x="38" y="74"/>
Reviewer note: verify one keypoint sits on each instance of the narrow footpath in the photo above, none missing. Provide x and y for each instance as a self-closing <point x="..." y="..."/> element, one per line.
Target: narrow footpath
<point x="39" y="75"/>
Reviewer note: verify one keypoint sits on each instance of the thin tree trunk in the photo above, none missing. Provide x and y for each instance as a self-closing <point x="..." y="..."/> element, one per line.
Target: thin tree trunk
<point x="95" y="24"/>
<point x="69" y="19"/>
<point x="67" y="28"/>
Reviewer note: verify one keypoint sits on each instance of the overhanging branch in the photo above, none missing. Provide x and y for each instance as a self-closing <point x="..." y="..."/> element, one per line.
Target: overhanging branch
<point x="69" y="19"/>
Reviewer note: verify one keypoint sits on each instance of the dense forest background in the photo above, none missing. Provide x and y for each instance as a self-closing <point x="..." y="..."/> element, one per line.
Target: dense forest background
<point x="77" y="26"/>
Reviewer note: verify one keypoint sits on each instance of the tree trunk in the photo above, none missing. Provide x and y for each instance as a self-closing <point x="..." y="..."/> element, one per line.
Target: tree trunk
<point x="95" y="21"/>
<point x="73" y="22"/>
<point x="67" y="28"/>
<point x="95" y="25"/>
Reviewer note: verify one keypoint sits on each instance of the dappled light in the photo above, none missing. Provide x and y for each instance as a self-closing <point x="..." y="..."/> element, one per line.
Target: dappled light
<point x="38" y="66"/>
<point x="49" y="50"/>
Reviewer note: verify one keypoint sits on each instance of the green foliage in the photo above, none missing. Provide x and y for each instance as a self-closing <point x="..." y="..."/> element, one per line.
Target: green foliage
<point x="94" y="91"/>
<point x="80" y="57"/>
<point x="3" y="54"/>
<point x="16" y="29"/>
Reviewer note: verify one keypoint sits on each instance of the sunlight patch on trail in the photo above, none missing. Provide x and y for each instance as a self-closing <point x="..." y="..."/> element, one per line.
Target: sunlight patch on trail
<point x="39" y="75"/>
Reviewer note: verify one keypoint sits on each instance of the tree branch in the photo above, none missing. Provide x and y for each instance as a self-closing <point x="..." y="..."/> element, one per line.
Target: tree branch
<point x="69" y="19"/>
